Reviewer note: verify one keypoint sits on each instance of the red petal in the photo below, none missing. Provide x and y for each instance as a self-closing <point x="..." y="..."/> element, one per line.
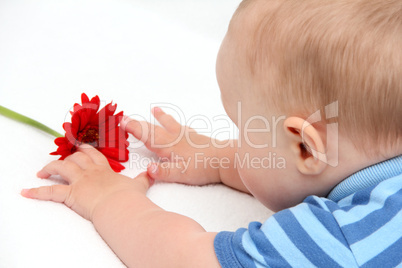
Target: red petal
<point x="119" y="116"/>
<point x="113" y="138"/>
<point x="110" y="124"/>
<point x="72" y="127"/>
<point x="76" y="108"/>
<point x="84" y="117"/>
<point x="60" y="141"/>
<point x="116" y="166"/>
<point x="115" y="153"/>
<point x="96" y="101"/>
<point x="64" y="150"/>
<point x="71" y="132"/>
<point x="84" y="98"/>
<point x="105" y="113"/>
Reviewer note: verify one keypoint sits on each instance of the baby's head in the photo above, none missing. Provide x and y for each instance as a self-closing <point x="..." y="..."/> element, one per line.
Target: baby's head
<point x="336" y="65"/>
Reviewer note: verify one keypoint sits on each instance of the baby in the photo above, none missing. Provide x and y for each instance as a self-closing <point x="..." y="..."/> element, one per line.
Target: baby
<point x="318" y="84"/>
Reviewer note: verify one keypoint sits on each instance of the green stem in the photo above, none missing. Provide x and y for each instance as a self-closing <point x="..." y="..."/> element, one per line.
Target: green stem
<point x="24" y="119"/>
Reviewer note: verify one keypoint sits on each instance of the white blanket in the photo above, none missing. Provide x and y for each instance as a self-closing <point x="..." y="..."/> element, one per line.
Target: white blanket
<point x="137" y="53"/>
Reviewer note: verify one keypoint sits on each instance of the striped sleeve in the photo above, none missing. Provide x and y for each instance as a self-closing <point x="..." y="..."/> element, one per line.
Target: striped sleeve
<point x="304" y="236"/>
<point x="371" y="221"/>
<point x="361" y="230"/>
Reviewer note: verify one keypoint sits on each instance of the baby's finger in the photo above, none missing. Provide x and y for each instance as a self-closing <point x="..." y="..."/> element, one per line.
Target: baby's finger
<point x="56" y="193"/>
<point x="166" y="120"/>
<point x="142" y="130"/>
<point x="68" y="170"/>
<point x="139" y="129"/>
<point x="93" y="154"/>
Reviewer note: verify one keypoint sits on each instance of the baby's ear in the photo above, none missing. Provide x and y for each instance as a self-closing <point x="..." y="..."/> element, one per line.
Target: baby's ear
<point x="307" y="146"/>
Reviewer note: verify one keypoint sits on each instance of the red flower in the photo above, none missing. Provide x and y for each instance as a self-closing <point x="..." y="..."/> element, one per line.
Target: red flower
<point x="97" y="128"/>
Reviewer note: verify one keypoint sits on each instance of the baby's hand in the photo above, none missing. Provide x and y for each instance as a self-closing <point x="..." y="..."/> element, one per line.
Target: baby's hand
<point x="185" y="153"/>
<point x="90" y="179"/>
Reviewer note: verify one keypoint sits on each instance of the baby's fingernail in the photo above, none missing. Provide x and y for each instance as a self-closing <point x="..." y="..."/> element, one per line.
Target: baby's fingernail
<point x="24" y="192"/>
<point x="157" y="109"/>
<point x="153" y="168"/>
<point x="40" y="174"/>
<point x="124" y="121"/>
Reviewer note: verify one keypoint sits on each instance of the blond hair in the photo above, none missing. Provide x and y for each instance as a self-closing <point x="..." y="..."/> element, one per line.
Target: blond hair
<point x="340" y="50"/>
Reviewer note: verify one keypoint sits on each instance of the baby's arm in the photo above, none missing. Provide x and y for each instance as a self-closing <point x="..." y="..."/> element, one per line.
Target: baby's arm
<point x="138" y="231"/>
<point x="191" y="158"/>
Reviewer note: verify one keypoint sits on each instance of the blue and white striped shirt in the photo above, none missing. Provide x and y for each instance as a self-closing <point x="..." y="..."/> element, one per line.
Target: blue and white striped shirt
<point x="358" y="225"/>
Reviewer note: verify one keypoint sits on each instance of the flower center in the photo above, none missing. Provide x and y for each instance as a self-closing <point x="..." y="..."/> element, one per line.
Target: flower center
<point x="89" y="135"/>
